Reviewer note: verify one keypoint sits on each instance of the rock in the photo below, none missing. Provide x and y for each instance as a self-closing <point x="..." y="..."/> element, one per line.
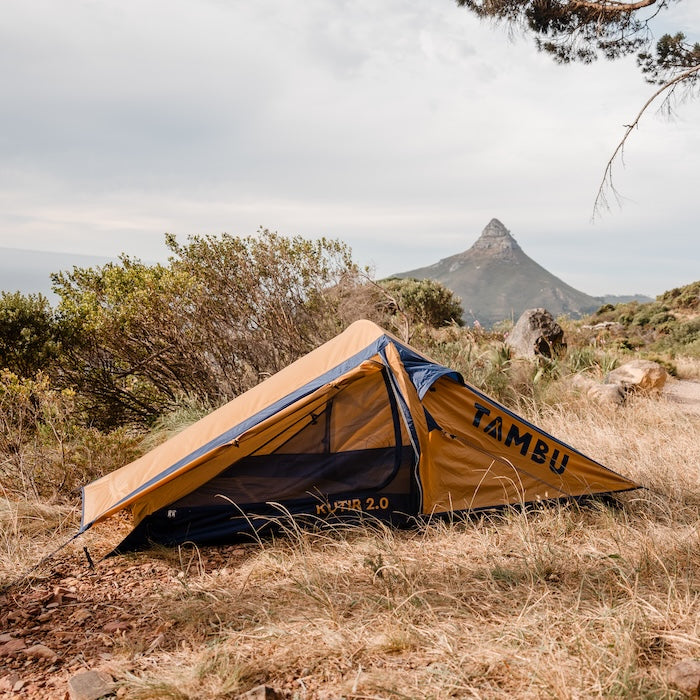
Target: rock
<point x="117" y="626"/>
<point x="604" y="394"/>
<point x="80" y="615"/>
<point x="581" y="382"/>
<point x="7" y="682"/>
<point x="90" y="685"/>
<point x="612" y="326"/>
<point x="612" y="394"/>
<point x="641" y="375"/>
<point x="40" y="651"/>
<point x="18" y="686"/>
<point x="536" y="333"/>
<point x="261" y="692"/>
<point x="685" y="676"/>
<point x="12" y="647"/>
<point x="45" y="616"/>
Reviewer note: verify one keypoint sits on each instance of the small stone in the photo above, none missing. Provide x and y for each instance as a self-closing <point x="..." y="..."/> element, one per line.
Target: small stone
<point x="6" y="683"/>
<point x="12" y="647"/>
<point x="80" y="615"/>
<point x="17" y="615"/>
<point x="18" y="686"/>
<point x="5" y="638"/>
<point x="261" y="692"/>
<point x="612" y="326"/>
<point x="41" y="651"/>
<point x="117" y="626"/>
<point x="90" y="685"/>
<point x="64" y="635"/>
<point x="685" y="676"/>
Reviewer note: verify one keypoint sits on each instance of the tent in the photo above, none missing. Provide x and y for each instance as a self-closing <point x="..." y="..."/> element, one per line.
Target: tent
<point x="362" y="424"/>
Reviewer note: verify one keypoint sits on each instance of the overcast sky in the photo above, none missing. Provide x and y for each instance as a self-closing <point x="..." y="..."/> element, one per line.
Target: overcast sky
<point x="399" y="127"/>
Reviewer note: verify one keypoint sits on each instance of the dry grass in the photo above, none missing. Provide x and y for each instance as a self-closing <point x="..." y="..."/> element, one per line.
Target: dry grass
<point x="29" y="530"/>
<point x="566" y="601"/>
<point x="562" y="602"/>
<point x="687" y="367"/>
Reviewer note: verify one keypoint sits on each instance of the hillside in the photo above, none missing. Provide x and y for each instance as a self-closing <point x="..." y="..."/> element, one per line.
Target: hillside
<point x="496" y="280"/>
<point x="669" y="323"/>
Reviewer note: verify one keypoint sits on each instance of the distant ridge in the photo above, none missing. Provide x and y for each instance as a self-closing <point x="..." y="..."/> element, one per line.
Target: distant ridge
<point x="496" y="280"/>
<point x="29" y="271"/>
<point x="624" y="298"/>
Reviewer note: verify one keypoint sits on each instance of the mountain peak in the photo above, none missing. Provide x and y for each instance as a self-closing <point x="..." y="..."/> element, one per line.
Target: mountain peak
<point x="495" y="240"/>
<point x="496" y="280"/>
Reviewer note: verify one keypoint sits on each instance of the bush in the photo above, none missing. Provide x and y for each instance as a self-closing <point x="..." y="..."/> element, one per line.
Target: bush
<point x="581" y="359"/>
<point x="409" y="303"/>
<point x="687" y="297"/>
<point x="30" y="334"/>
<point x="224" y="313"/>
<point x="669" y="324"/>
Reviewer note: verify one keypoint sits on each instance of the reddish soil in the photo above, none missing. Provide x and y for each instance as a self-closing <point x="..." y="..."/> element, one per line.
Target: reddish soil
<point x="80" y="619"/>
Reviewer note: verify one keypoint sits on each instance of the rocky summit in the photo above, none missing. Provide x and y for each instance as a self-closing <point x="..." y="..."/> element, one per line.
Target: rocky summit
<point x="496" y="280"/>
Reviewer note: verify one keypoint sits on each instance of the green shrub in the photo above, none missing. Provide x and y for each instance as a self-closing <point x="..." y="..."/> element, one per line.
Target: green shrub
<point x="669" y="324"/>
<point x="605" y="308"/>
<point x="222" y="315"/>
<point x="30" y="333"/>
<point x="410" y="302"/>
<point x="687" y="297"/>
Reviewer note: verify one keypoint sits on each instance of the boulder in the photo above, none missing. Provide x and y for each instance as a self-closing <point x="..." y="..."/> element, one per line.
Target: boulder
<point x="638" y="375"/>
<point x="685" y="676"/>
<point x="536" y="333"/>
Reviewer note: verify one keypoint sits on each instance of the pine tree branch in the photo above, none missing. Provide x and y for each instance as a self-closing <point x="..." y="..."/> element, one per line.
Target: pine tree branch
<point x="613" y="5"/>
<point x="607" y="179"/>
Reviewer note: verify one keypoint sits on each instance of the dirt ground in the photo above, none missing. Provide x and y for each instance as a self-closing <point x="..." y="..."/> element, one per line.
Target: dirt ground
<point x="79" y="619"/>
